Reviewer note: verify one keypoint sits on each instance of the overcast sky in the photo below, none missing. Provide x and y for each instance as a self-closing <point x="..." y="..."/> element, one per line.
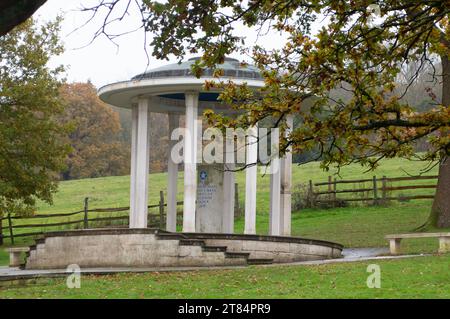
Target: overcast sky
<point x="101" y="61"/>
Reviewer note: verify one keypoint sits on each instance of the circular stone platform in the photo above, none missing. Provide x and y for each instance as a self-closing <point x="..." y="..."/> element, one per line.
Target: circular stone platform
<point x="94" y="248"/>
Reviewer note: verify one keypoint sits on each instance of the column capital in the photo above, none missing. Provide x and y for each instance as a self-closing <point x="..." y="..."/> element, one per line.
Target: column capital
<point x="144" y="98"/>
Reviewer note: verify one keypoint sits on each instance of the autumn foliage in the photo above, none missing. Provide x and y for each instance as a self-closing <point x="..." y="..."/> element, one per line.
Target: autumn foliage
<point x="32" y="150"/>
<point x="359" y="46"/>
<point x="97" y="149"/>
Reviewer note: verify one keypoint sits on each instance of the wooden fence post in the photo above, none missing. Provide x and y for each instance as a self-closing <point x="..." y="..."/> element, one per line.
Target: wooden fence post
<point x="311" y="194"/>
<point x="383" y="189"/>
<point x="86" y="211"/>
<point x="330" y="188"/>
<point x="1" y="229"/>
<point x="161" y="209"/>
<point x="375" y="191"/>
<point x="237" y="208"/>
<point x="11" y="234"/>
<point x="334" y="192"/>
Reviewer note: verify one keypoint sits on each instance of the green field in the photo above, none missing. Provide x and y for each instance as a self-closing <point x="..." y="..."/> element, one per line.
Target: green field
<point x="354" y="226"/>
<point x="114" y="191"/>
<point x="420" y="277"/>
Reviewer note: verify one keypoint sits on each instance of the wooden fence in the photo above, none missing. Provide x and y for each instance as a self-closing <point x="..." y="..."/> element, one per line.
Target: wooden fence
<point x="88" y="218"/>
<point x="379" y="190"/>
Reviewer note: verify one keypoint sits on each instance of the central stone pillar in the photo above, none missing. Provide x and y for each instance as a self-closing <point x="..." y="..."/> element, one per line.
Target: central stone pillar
<point x="190" y="165"/>
<point x="140" y="154"/>
<point x="210" y="198"/>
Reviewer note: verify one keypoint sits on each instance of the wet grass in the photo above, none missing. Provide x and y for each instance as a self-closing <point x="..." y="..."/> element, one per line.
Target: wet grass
<point x="354" y="226"/>
<point x="420" y="277"/>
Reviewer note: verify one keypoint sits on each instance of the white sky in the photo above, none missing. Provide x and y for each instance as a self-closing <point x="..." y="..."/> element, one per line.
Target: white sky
<point x="102" y="62"/>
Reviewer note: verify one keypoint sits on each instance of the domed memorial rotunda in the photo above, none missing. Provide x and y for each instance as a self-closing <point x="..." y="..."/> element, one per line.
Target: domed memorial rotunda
<point x="207" y="237"/>
<point x="172" y="89"/>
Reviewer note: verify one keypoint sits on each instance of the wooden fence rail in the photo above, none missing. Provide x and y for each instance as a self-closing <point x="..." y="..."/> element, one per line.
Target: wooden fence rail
<point x="374" y="193"/>
<point x="378" y="192"/>
<point x="86" y="220"/>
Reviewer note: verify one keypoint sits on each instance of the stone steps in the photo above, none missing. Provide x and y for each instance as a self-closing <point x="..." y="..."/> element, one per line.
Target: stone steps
<point x="214" y="248"/>
<point x="192" y="242"/>
<point x="171" y="236"/>
<point x="190" y="252"/>
<point x="228" y="254"/>
<point x="39" y="241"/>
<point x="236" y="255"/>
<point x="209" y="248"/>
<point x="260" y="261"/>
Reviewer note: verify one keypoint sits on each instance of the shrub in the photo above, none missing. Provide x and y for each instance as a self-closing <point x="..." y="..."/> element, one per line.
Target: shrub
<point x="300" y="197"/>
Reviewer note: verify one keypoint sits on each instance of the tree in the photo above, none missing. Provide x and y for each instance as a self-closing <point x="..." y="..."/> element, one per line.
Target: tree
<point x="97" y="149"/>
<point x="31" y="151"/>
<point x="15" y="12"/>
<point x="352" y="51"/>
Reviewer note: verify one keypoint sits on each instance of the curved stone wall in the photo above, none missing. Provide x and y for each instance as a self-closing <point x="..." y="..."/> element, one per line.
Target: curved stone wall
<point x="155" y="248"/>
<point x="279" y="248"/>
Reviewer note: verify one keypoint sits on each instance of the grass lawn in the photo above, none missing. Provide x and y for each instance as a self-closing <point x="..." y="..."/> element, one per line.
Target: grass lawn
<point x="353" y="226"/>
<point x="4" y="257"/>
<point x="420" y="277"/>
<point x="114" y="191"/>
<point x="360" y="226"/>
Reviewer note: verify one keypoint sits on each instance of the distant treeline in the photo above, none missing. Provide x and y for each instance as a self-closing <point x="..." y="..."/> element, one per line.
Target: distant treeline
<point x="102" y="136"/>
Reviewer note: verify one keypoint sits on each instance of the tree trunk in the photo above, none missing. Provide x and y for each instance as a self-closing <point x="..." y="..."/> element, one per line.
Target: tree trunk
<point x="440" y="211"/>
<point x="14" y="12"/>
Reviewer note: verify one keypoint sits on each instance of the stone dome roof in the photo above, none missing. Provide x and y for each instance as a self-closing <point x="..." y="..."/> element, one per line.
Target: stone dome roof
<point x="232" y="69"/>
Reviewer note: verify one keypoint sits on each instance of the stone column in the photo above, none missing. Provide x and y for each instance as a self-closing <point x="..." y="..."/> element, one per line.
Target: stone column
<point x="172" y="173"/>
<point x="139" y="164"/>
<point x="275" y="198"/>
<point x="286" y="185"/>
<point x="250" y="180"/>
<point x="134" y="127"/>
<point x="190" y="165"/>
<point x="229" y="185"/>
<point x="228" y="196"/>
